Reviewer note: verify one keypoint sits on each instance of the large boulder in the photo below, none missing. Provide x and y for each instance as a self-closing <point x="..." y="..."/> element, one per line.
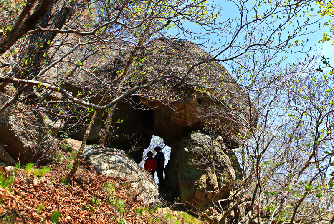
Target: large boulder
<point x="192" y="98"/>
<point x="199" y="94"/>
<point x="115" y="163"/>
<point x="205" y="97"/>
<point x="202" y="170"/>
<point x="24" y="134"/>
<point x="203" y="167"/>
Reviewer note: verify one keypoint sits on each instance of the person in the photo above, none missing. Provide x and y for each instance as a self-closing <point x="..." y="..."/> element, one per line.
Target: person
<point x="150" y="164"/>
<point x="160" y="158"/>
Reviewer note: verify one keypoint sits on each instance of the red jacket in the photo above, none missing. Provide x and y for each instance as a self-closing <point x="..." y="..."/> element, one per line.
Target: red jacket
<point x="150" y="164"/>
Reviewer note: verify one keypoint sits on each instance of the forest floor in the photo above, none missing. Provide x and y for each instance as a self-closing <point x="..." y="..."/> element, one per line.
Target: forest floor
<point x="42" y="195"/>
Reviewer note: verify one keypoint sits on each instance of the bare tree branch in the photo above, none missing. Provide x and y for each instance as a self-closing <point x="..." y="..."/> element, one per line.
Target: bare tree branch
<point x="76" y="100"/>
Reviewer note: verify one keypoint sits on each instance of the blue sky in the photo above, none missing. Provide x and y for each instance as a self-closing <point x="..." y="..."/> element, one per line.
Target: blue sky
<point x="328" y="50"/>
<point x="228" y="10"/>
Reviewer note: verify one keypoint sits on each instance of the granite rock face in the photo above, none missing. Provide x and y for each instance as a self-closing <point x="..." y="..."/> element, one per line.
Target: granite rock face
<point x="202" y="170"/>
<point x="202" y="99"/>
<point x="24" y="134"/>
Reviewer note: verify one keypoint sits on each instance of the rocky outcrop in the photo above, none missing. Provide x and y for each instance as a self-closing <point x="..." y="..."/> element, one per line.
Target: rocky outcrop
<point x="115" y="163"/>
<point x="207" y="96"/>
<point x="200" y="170"/>
<point x="202" y="97"/>
<point x="199" y="95"/>
<point x="203" y="167"/>
<point x="24" y="134"/>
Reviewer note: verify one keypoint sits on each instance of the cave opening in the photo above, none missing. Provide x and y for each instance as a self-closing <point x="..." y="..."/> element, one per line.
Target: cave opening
<point x="156" y="141"/>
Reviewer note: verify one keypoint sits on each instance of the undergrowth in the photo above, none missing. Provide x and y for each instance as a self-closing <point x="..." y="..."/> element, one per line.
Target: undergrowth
<point x="90" y="198"/>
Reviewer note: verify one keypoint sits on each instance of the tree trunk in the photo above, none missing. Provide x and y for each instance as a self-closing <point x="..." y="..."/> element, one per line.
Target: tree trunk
<point x="105" y="131"/>
<point x="79" y="153"/>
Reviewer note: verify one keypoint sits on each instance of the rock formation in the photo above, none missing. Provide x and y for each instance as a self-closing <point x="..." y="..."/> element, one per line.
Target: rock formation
<point x="201" y="170"/>
<point x="200" y="111"/>
<point x="202" y="117"/>
<point x="205" y="96"/>
<point x="23" y="133"/>
<point x="5" y="157"/>
<point x="203" y="167"/>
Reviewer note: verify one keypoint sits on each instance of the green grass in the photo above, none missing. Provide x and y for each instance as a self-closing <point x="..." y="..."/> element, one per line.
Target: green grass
<point x="28" y="167"/>
<point x="84" y="206"/>
<point x="40" y="172"/>
<point x="63" y="180"/>
<point x="60" y="158"/>
<point x="120" y="206"/>
<point x="16" y="166"/>
<point x="40" y="208"/>
<point x="140" y="211"/>
<point x="153" y="220"/>
<point x="168" y="216"/>
<point x="121" y="221"/>
<point x="127" y="185"/>
<point x="94" y="201"/>
<point x="109" y="188"/>
<point x="8" y="218"/>
<point x="69" y="166"/>
<point x="187" y="218"/>
<point x="55" y="216"/>
<point x="152" y="210"/>
<point x="5" y="182"/>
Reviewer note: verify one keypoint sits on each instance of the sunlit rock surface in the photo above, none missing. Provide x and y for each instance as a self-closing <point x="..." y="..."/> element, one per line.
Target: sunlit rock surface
<point x="114" y="163"/>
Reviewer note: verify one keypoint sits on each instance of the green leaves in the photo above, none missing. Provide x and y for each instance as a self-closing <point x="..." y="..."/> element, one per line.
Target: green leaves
<point x="5" y="182"/>
<point x="40" y="207"/>
<point x="308" y="187"/>
<point x="326" y="10"/>
<point x="271" y="193"/>
<point x="332" y="102"/>
<point x="55" y="216"/>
